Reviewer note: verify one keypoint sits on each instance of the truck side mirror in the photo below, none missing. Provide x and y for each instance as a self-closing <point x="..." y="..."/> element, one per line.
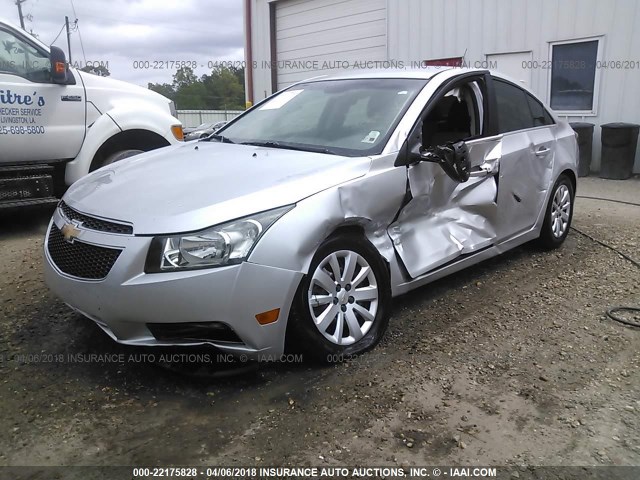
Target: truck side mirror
<point x="58" y="65"/>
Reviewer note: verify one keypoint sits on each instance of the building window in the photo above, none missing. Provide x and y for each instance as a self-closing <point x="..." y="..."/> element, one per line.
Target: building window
<point x="574" y="76"/>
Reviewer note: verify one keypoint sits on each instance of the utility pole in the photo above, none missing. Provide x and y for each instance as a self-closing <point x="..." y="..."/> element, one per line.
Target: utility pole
<point x="19" y="4"/>
<point x="66" y="22"/>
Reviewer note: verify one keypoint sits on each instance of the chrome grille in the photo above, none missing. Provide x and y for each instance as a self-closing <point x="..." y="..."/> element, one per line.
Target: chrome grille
<point x="93" y="223"/>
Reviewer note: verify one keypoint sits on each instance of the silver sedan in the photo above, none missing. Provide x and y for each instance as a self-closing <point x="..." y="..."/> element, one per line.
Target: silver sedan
<point x="294" y="226"/>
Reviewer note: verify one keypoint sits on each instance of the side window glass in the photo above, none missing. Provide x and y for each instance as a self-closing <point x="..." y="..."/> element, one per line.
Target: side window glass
<point x="455" y="116"/>
<point x="513" y="108"/>
<point x="540" y="115"/>
<point x="20" y="58"/>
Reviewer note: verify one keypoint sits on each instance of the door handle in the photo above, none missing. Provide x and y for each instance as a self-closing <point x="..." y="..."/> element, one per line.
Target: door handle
<point x="542" y="151"/>
<point x="486" y="169"/>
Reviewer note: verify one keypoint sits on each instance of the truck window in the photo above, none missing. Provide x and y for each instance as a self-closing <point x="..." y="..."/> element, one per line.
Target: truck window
<point x="20" y="58"/>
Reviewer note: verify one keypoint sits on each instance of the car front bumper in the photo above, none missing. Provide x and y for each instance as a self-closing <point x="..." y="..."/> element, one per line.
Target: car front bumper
<point x="127" y="299"/>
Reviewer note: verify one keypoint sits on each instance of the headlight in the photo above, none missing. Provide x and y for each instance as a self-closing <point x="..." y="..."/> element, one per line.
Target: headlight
<point x="225" y="244"/>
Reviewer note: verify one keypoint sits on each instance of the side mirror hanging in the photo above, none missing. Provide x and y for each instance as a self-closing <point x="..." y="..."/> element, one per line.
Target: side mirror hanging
<point x="453" y="157"/>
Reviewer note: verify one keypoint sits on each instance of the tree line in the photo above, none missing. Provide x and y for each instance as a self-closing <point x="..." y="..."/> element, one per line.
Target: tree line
<point x="222" y="89"/>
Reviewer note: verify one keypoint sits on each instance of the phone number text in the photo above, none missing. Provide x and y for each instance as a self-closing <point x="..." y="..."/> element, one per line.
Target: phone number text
<point x="22" y="130"/>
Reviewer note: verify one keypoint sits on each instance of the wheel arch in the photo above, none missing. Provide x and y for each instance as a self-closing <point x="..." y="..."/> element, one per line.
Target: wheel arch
<point x="361" y="227"/>
<point x="351" y="231"/>
<point x="572" y="177"/>
<point x="135" y="139"/>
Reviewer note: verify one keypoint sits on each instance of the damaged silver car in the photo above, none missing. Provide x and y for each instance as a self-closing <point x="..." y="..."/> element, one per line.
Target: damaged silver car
<point x="294" y="226"/>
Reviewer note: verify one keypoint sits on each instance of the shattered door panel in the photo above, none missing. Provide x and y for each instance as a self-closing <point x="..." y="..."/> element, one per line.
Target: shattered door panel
<point x="446" y="219"/>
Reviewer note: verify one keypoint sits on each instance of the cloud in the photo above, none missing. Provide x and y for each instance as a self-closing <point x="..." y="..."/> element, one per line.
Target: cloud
<point x="140" y="40"/>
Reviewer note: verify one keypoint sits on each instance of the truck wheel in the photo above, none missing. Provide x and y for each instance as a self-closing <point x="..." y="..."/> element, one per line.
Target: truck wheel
<point x="121" y="155"/>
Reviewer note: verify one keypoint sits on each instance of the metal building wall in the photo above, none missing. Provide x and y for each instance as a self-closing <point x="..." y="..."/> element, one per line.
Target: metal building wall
<point x="261" y="48"/>
<point x="419" y="30"/>
<point x="332" y="31"/>
<point x="327" y="33"/>
<point x="430" y="29"/>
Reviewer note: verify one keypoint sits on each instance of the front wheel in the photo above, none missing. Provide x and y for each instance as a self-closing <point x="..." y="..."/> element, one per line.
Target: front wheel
<point x="342" y="306"/>
<point x="558" y="215"/>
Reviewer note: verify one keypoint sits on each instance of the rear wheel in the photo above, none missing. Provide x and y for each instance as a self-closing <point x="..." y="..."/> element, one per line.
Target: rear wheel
<point x="341" y="307"/>
<point x="558" y="215"/>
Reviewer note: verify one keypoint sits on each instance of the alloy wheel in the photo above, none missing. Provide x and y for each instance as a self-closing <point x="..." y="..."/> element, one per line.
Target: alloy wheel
<point x="343" y="297"/>
<point x="560" y="211"/>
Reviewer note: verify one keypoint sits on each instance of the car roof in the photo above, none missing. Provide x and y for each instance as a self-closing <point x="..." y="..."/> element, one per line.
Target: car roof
<point x="425" y="73"/>
<point x="421" y="73"/>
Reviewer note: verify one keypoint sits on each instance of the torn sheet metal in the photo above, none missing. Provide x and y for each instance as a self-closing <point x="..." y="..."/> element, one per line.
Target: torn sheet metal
<point x="446" y="219"/>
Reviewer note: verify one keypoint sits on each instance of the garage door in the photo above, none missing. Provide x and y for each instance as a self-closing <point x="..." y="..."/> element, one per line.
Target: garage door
<point x="314" y="35"/>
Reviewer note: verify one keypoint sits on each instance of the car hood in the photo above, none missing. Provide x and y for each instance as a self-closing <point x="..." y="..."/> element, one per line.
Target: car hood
<point x="191" y="186"/>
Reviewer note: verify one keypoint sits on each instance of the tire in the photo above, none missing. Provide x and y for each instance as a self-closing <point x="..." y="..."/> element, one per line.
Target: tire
<point x="330" y="326"/>
<point x="120" y="155"/>
<point x="558" y="215"/>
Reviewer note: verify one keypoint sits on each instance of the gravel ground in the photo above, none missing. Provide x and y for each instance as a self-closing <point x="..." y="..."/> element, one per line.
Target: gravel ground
<point x="511" y="362"/>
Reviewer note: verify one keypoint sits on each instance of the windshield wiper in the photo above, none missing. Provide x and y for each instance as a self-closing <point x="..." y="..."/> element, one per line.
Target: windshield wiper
<point x="289" y="146"/>
<point x="220" y="138"/>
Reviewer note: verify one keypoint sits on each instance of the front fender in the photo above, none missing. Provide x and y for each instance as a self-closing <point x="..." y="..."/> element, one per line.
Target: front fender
<point x="143" y="116"/>
<point x="370" y="202"/>
<point x="136" y="116"/>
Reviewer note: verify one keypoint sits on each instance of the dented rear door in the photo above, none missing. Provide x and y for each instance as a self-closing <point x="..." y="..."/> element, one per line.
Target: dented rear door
<point x="525" y="178"/>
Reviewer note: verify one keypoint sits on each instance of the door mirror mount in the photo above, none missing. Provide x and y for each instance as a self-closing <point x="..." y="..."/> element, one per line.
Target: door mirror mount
<point x="58" y="65"/>
<point x="453" y="157"/>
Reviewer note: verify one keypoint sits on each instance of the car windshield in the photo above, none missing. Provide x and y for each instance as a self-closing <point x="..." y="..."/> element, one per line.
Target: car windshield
<point x="352" y="117"/>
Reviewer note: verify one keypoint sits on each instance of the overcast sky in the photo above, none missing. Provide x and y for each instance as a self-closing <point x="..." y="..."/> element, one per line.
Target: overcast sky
<point x="121" y="32"/>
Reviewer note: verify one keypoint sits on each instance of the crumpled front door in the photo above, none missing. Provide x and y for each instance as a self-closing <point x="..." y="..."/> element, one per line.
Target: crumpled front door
<point x="445" y="219"/>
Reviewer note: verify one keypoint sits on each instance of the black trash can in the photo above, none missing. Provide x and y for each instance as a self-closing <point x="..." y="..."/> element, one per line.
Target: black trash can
<point x="619" y="142"/>
<point x="585" y="144"/>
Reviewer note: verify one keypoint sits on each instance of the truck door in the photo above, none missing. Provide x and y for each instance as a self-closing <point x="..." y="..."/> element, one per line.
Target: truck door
<point x="39" y="120"/>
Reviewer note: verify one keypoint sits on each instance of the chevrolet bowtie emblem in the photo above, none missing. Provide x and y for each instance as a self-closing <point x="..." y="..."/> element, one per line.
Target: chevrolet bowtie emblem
<point x="70" y="232"/>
